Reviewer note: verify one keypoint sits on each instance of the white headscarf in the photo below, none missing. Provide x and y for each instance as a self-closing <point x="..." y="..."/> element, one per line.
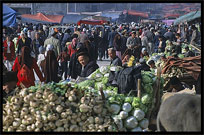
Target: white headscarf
<point x="48" y="48"/>
<point x="143" y="49"/>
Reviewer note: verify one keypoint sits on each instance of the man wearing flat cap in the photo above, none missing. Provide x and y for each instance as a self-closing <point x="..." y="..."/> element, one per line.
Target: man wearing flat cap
<point x="134" y="44"/>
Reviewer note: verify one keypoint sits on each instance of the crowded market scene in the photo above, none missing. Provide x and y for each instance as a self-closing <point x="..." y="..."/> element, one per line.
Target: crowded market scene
<point x="101" y="67"/>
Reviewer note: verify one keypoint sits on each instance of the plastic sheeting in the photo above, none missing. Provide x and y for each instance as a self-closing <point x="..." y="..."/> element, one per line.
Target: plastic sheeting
<point x="188" y="17"/>
<point x="9" y="16"/>
<point x="41" y="18"/>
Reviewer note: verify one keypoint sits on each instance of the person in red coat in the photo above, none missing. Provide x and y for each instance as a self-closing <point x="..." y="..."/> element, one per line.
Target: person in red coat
<point x="31" y="63"/>
<point x="8" y="53"/>
<point x="72" y="47"/>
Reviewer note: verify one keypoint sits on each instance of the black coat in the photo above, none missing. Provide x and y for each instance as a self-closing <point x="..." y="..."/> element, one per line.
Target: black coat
<point x="116" y="61"/>
<point x="89" y="68"/>
<point x="21" y="44"/>
<point x="74" y="67"/>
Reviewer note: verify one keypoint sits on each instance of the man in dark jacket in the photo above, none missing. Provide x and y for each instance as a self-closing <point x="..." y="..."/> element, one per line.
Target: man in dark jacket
<point x="188" y="53"/>
<point x="88" y="66"/>
<point x="169" y="35"/>
<point x="115" y="60"/>
<point x="67" y="37"/>
<point x="36" y="43"/>
<point x="111" y="37"/>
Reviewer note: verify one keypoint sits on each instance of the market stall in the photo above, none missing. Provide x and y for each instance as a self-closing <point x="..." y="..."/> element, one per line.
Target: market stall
<point x="9" y="16"/>
<point x="92" y="22"/>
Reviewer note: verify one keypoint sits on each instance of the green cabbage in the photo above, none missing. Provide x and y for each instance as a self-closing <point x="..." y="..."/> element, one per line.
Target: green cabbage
<point x="112" y="100"/>
<point x="144" y="108"/>
<point x="131" y="122"/>
<point x="144" y="123"/>
<point x="104" y="69"/>
<point x="127" y="107"/>
<point x="93" y="75"/>
<point x="138" y="114"/>
<point x="136" y="102"/>
<point x="123" y="114"/>
<point x="120" y="98"/>
<point x="146" y="79"/>
<point x="129" y="99"/>
<point x="146" y="99"/>
<point x="148" y="88"/>
<point x="105" y="80"/>
<point x="86" y="83"/>
<point x="115" y="89"/>
<point x="114" y="108"/>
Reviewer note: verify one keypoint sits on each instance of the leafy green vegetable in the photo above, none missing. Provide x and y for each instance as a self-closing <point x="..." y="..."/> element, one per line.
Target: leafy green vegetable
<point x="144" y="108"/>
<point x="120" y="98"/>
<point x="129" y="99"/>
<point x="136" y="102"/>
<point x="99" y="85"/>
<point x="146" y="99"/>
<point x="105" y="80"/>
<point x="86" y="83"/>
<point x="148" y="88"/>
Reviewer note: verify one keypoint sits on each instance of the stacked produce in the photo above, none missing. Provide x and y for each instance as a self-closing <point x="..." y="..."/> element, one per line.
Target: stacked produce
<point x="99" y="79"/>
<point x="173" y="71"/>
<point x="79" y="107"/>
<point x="58" y="108"/>
<point x="127" y="114"/>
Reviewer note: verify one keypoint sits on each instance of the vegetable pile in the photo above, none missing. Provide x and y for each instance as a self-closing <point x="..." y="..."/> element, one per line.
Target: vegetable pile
<point x="173" y="71"/>
<point x="56" y="107"/>
<point x="99" y="79"/>
<point x="72" y="107"/>
<point x="127" y="115"/>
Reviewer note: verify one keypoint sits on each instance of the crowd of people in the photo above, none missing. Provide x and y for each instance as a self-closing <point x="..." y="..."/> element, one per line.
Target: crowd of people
<point x="55" y="55"/>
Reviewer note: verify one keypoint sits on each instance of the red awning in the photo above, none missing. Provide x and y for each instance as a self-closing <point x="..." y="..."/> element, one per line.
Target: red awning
<point x="92" y="22"/>
<point x="136" y="13"/>
<point x="171" y="15"/>
<point x="42" y="17"/>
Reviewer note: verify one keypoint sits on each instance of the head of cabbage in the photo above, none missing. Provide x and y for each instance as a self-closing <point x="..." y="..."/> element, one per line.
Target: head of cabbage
<point x="146" y="99"/>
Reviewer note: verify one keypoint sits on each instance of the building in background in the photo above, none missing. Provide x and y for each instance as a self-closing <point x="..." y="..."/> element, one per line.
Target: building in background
<point x="65" y="8"/>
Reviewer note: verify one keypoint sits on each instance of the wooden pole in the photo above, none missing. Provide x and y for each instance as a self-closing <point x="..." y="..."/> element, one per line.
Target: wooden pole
<point x="139" y="88"/>
<point x="102" y="94"/>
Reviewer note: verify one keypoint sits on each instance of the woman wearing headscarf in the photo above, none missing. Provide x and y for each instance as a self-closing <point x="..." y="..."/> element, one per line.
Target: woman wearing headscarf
<point x="72" y="47"/>
<point x="50" y="68"/>
<point x="24" y="65"/>
<point x="144" y="53"/>
<point x="23" y="41"/>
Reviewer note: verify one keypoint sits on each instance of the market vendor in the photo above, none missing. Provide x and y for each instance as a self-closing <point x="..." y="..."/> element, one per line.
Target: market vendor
<point x="115" y="60"/>
<point x="179" y="41"/>
<point x="143" y="64"/>
<point x="152" y="65"/>
<point x="176" y="85"/>
<point x="189" y="53"/>
<point x="126" y="59"/>
<point x="9" y="83"/>
<point x="88" y="66"/>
